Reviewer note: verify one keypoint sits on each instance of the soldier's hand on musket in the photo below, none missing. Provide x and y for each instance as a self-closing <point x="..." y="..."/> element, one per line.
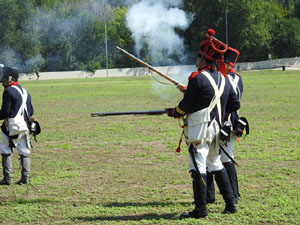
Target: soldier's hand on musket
<point x="173" y="113"/>
<point x="181" y="87"/>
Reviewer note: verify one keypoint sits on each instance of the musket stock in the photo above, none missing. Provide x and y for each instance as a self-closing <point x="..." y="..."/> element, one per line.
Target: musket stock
<point x="148" y="66"/>
<point x="151" y="112"/>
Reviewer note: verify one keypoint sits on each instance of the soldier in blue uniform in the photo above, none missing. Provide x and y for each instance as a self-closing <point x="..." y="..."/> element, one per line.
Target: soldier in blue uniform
<point x="230" y="58"/>
<point x="208" y="96"/>
<point x="13" y="105"/>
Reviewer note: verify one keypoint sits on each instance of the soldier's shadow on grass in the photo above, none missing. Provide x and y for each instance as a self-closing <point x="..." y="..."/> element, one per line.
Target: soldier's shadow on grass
<point x="139" y="204"/>
<point x="150" y="216"/>
<point x="25" y="201"/>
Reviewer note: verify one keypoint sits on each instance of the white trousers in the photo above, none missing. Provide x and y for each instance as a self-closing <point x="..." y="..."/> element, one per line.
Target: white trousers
<point x="207" y="155"/>
<point x="20" y="143"/>
<point x="229" y="149"/>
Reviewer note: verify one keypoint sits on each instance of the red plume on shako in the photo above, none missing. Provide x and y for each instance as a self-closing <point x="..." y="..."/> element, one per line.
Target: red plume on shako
<point x="211" y="32"/>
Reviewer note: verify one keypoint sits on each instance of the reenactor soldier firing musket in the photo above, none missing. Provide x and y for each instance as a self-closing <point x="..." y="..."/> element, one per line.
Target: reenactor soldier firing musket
<point x="208" y="96"/>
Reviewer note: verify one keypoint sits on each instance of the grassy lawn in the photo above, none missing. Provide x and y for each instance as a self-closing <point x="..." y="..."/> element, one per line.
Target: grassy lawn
<point x="124" y="170"/>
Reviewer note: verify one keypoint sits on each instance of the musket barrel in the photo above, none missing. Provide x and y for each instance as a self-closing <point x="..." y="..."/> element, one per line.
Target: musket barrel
<point x="151" y="112"/>
<point x="148" y="66"/>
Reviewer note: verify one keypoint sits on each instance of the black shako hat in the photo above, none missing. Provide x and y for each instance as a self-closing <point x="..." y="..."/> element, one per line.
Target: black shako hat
<point x="231" y="56"/>
<point x="6" y="72"/>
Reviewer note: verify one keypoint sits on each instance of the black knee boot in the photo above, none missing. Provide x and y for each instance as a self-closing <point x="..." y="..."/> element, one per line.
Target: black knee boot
<point x="7" y="168"/>
<point x="200" y="190"/>
<point x="210" y="198"/>
<point x="231" y="171"/>
<point x="225" y="188"/>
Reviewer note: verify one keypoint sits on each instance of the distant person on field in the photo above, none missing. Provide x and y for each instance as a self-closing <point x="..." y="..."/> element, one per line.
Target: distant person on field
<point x="208" y="96"/>
<point x="16" y="106"/>
<point x="37" y="75"/>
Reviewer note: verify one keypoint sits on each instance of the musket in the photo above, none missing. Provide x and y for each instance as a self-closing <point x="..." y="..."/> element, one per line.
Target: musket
<point x="151" y="112"/>
<point x="227" y="154"/>
<point x="148" y="66"/>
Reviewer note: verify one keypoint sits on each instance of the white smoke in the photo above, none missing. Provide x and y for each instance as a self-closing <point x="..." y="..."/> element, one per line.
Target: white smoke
<point x="153" y="24"/>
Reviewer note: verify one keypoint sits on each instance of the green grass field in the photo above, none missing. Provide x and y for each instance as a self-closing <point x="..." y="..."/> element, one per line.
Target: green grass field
<point x="124" y="170"/>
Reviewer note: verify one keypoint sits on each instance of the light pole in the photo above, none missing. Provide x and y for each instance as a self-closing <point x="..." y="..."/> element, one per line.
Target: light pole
<point x="106" y="52"/>
<point x="100" y="10"/>
<point x="226" y="29"/>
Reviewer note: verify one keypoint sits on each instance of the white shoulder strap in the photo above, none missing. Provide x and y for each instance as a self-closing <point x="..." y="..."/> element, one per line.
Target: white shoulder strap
<point x="234" y="83"/>
<point x="24" y="100"/>
<point x="218" y="93"/>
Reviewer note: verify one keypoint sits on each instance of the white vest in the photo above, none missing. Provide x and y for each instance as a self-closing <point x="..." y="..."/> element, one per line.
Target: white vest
<point x="18" y="125"/>
<point x="197" y="129"/>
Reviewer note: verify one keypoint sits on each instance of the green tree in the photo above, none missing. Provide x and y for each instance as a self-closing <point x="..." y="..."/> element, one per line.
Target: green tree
<point x="57" y="35"/>
<point x="297" y="9"/>
<point x="90" y="50"/>
<point x="286" y="38"/>
<point x="248" y="30"/>
<point x="120" y="36"/>
<point x="20" y="42"/>
<point x="64" y="35"/>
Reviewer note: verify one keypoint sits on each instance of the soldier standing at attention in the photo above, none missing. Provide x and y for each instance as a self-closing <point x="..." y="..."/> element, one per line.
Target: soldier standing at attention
<point x="16" y="103"/>
<point x="227" y="68"/>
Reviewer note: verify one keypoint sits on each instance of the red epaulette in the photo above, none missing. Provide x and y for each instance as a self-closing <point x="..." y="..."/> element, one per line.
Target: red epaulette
<point x="194" y="74"/>
<point x="225" y="75"/>
<point x="201" y="69"/>
<point x="233" y="71"/>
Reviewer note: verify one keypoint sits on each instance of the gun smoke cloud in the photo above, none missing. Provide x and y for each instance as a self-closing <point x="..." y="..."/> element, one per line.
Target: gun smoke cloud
<point x="153" y="24"/>
<point x="54" y="26"/>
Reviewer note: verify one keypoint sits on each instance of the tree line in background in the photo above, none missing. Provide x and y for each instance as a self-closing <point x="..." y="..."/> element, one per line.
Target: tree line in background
<point x="66" y="35"/>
